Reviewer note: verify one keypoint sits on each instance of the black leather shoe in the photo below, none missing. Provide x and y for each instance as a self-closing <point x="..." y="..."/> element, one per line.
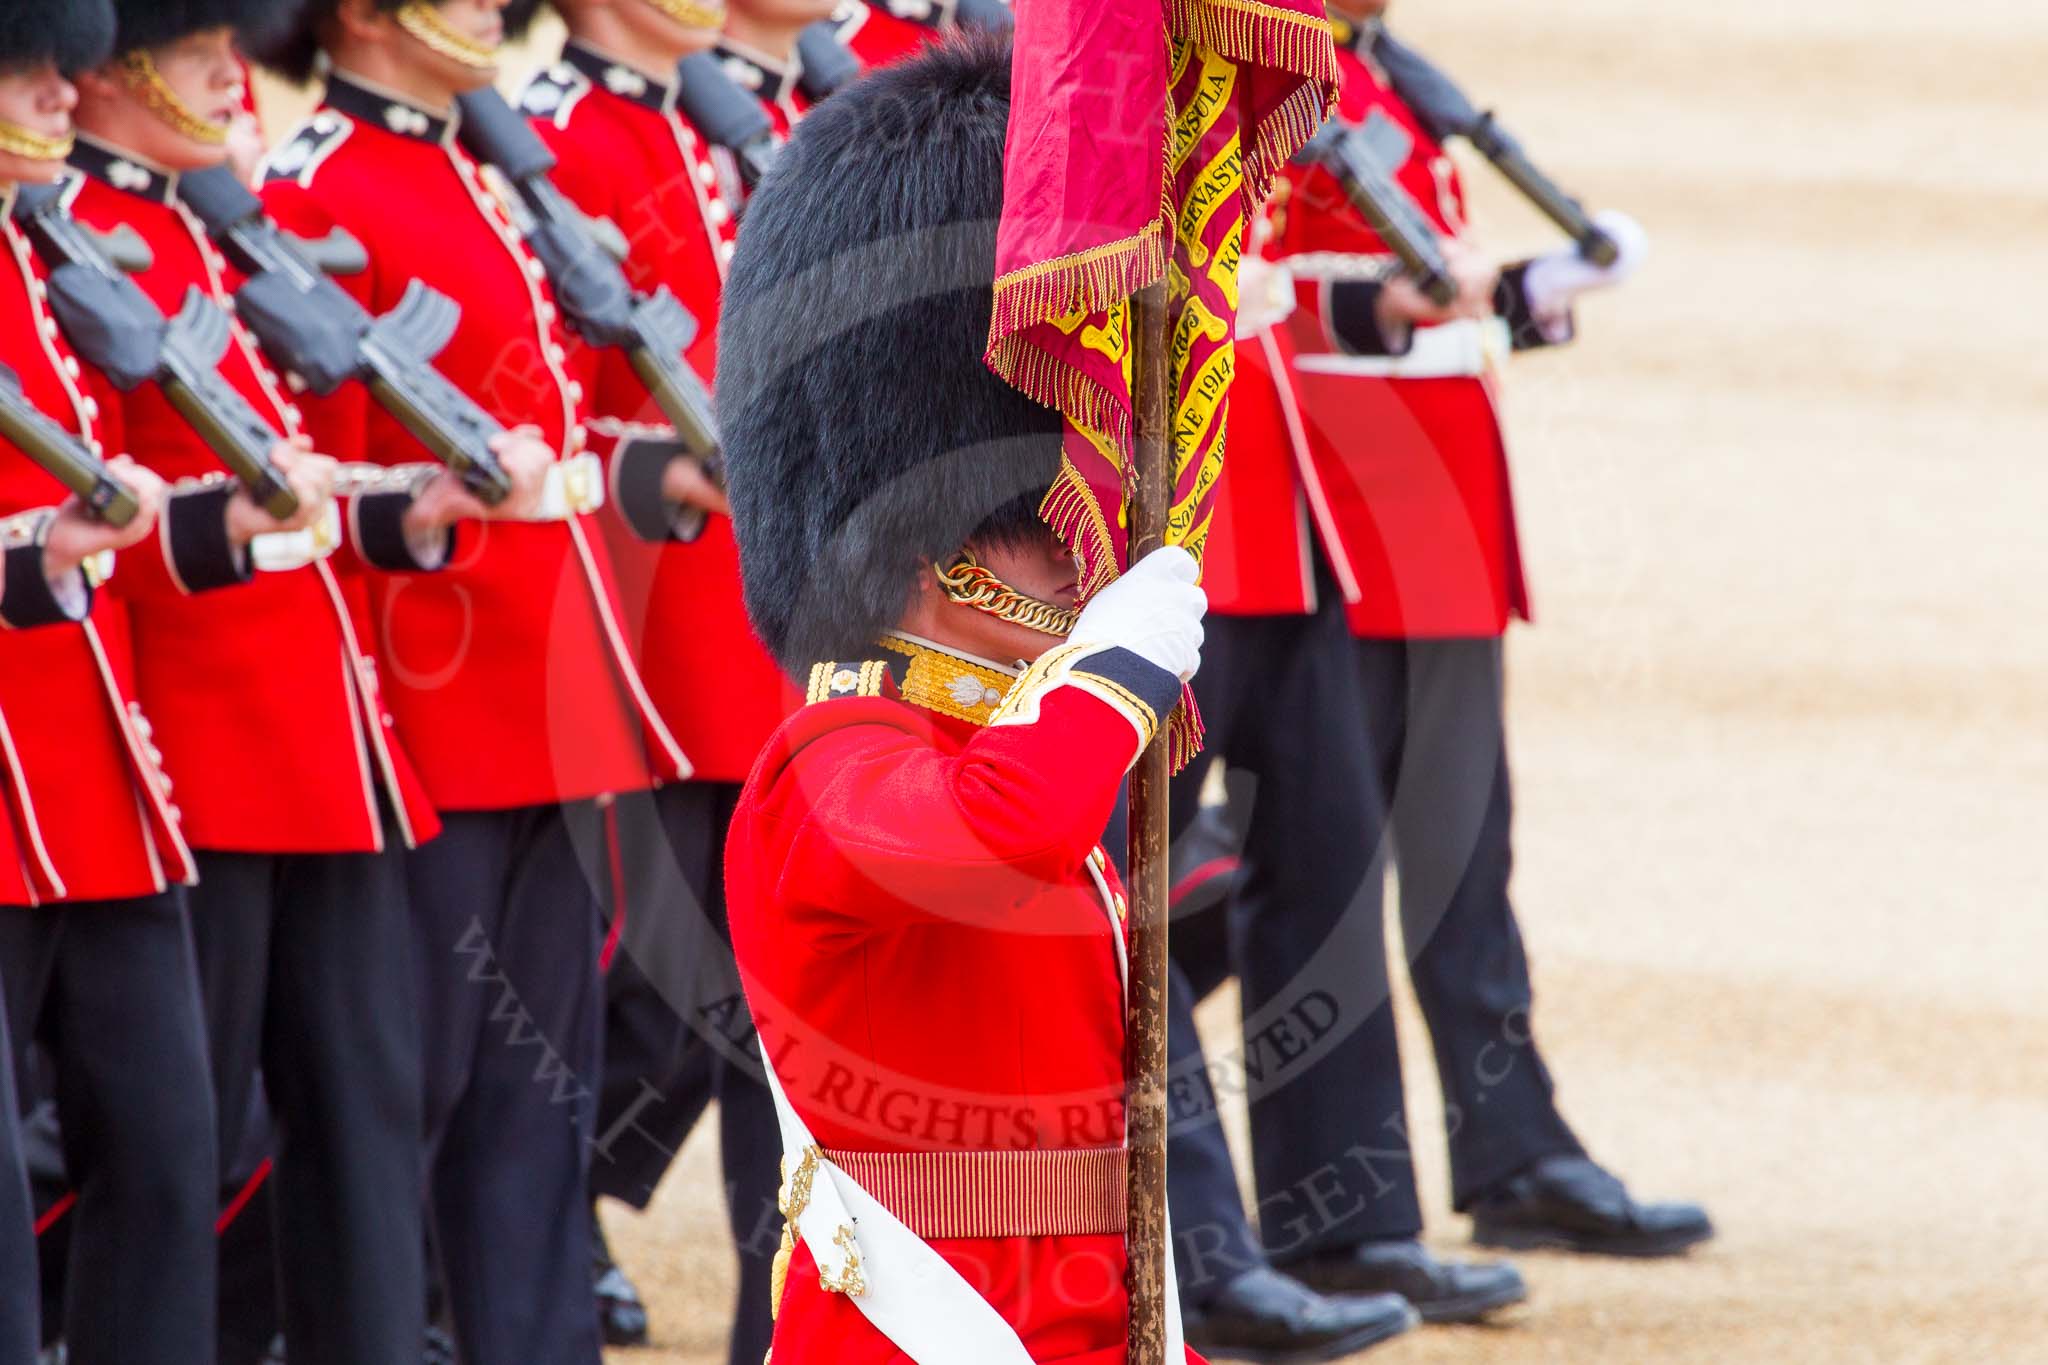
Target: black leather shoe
<point x="438" y="1348"/>
<point x="1265" y="1317"/>
<point x="1569" y="1203"/>
<point x="621" y="1316"/>
<point x="1441" y="1291"/>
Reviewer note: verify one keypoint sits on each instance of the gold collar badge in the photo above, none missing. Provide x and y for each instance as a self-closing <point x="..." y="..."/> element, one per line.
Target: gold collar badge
<point x="965" y="689"/>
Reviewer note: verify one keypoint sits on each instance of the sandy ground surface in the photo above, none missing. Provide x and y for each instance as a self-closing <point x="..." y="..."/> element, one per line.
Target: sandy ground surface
<point x="1783" y="730"/>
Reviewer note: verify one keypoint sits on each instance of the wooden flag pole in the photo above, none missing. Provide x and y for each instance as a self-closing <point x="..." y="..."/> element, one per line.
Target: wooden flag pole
<point x="1145" y="1027"/>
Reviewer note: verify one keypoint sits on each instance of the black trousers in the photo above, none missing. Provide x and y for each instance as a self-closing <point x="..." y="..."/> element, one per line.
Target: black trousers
<point x="20" y="1315"/>
<point x="677" y="1033"/>
<point x="110" y="990"/>
<point x="306" y="966"/>
<point x="506" y="928"/>
<point x="1334" y="1164"/>
<point x="1304" y="782"/>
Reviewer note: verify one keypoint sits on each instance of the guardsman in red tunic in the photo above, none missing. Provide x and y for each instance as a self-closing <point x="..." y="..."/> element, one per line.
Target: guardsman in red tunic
<point x="95" y="956"/>
<point x="759" y="51"/>
<point x="509" y="673"/>
<point x="1372" y="471"/>
<point x="930" y="931"/>
<point x="299" y="799"/>
<point x="879" y="32"/>
<point x="611" y="110"/>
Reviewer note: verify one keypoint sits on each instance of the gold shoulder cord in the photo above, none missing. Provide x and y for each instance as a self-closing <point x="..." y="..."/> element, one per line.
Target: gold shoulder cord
<point x="424" y="22"/>
<point x="965" y="581"/>
<point x="16" y="140"/>
<point x="138" y="68"/>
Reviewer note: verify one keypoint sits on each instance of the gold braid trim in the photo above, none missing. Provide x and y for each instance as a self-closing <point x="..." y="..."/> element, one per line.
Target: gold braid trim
<point x="971" y="585"/>
<point x="948" y="684"/>
<point x="138" y="70"/>
<point x="691" y="13"/>
<point x="16" y="140"/>
<point x="424" y="22"/>
<point x="793" y="1198"/>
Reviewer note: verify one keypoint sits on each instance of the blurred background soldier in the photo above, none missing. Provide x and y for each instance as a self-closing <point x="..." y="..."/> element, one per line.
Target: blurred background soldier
<point x="879" y="32"/>
<point x="299" y="800"/>
<point x="759" y="52"/>
<point x="613" y="110"/>
<point x="1387" y="406"/>
<point x="95" y="952"/>
<point x="508" y="674"/>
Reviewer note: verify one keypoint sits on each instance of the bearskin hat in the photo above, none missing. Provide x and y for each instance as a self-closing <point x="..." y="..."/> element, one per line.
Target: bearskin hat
<point x="286" y="39"/>
<point x="152" y="23"/>
<point x="75" y="34"/>
<point x="519" y="16"/>
<point x="864" y="438"/>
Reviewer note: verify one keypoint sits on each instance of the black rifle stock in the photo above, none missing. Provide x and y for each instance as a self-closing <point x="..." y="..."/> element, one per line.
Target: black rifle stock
<point x="62" y="454"/>
<point x="1446" y="112"/>
<point x="316" y="332"/>
<point x="726" y="115"/>
<point x="114" y="325"/>
<point x="1365" y="172"/>
<point x="824" y="64"/>
<point x="652" y="330"/>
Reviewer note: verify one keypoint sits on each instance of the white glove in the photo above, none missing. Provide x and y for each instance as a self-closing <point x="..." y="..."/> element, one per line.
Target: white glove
<point x="1553" y="281"/>
<point x="1265" y="293"/>
<point x="1155" y="611"/>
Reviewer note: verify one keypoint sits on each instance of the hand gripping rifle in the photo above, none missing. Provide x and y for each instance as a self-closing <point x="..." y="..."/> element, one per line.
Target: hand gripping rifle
<point x="590" y="287"/>
<point x="726" y="115"/>
<point x="319" y="335"/>
<point x="1363" y="162"/>
<point x="62" y="454"/>
<point x="1445" y="111"/>
<point x="114" y="325"/>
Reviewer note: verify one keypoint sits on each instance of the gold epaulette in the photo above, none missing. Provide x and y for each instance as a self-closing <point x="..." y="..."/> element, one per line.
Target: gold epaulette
<point x="832" y="680"/>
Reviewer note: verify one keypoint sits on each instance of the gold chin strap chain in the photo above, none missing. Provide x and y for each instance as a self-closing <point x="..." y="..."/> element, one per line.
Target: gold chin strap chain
<point x="693" y="13"/>
<point x="971" y="585"/>
<point x="138" y="68"/>
<point x="30" y="145"/>
<point x="424" y="22"/>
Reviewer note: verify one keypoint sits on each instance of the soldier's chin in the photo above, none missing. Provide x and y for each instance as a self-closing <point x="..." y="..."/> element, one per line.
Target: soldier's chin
<point x="464" y="77"/>
<point x="202" y="156"/>
<point x="24" y="170"/>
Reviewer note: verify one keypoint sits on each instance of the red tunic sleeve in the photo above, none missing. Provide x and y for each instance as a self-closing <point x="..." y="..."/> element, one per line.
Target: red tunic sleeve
<point x="893" y="829"/>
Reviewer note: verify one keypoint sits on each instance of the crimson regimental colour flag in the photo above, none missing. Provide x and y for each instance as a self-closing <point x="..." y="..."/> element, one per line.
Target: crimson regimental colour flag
<point x="1143" y="137"/>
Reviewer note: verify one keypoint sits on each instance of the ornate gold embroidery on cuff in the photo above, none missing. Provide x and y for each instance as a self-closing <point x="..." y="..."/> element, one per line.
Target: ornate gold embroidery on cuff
<point x="1061" y="667"/>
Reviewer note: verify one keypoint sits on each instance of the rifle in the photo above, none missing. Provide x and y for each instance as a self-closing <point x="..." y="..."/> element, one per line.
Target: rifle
<point x="1363" y="161"/>
<point x="1446" y="113"/>
<point x="115" y="326"/>
<point x="993" y="16"/>
<point x="825" y="64"/>
<point x="319" y="335"/>
<point x="590" y="288"/>
<point x="62" y="454"/>
<point x="726" y="115"/>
